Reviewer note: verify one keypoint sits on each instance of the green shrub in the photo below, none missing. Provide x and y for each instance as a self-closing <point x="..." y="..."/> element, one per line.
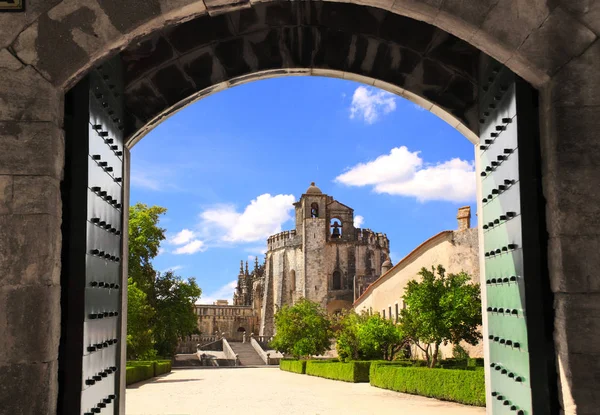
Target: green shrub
<point x="347" y="372"/>
<point x="137" y="373"/>
<point x="142" y="370"/>
<point x="463" y="386"/>
<point x="161" y="367"/>
<point x="290" y="365"/>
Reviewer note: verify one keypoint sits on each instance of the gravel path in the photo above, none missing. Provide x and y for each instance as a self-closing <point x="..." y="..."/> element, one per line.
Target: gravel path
<point x="270" y="391"/>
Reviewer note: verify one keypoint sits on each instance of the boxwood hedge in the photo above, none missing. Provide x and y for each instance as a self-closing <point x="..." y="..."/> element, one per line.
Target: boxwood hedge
<point x="464" y="386"/>
<point x="296" y="366"/>
<point x="142" y="370"/>
<point x="347" y="372"/>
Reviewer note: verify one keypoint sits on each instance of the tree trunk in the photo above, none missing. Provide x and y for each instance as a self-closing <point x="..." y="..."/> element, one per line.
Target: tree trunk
<point x="435" y="355"/>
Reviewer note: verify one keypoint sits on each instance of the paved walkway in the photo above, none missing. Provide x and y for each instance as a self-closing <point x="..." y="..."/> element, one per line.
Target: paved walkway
<point x="269" y="391"/>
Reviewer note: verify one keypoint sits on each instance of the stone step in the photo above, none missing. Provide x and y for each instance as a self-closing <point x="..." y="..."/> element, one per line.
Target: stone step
<point x="246" y="354"/>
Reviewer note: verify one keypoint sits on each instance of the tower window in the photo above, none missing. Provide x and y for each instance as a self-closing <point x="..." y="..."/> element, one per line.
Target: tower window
<point x="337" y="280"/>
<point x="314" y="210"/>
<point x="336" y="229"/>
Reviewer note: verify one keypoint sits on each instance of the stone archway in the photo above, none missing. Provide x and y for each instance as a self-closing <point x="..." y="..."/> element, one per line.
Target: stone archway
<point x="46" y="50"/>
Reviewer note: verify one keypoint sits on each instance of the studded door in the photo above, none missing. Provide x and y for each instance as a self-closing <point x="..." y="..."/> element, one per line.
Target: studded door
<point x="518" y="298"/>
<point x="89" y="357"/>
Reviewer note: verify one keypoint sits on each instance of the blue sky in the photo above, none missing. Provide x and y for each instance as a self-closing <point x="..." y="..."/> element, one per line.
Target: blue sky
<point x="228" y="167"/>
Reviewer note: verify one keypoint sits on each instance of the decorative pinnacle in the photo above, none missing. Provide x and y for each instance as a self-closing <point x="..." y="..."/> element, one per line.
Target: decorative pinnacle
<point x="312" y="183"/>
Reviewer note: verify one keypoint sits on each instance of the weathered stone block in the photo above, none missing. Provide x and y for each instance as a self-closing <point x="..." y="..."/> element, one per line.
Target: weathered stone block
<point x="461" y="18"/>
<point x="30" y="253"/>
<point x="586" y="11"/>
<point x="577" y="322"/>
<point x="578" y="83"/>
<point x="424" y="10"/>
<point x="29" y="388"/>
<point x="6" y="194"/>
<point x="511" y="21"/>
<point x="26" y="96"/>
<point x="574" y="263"/>
<point x="579" y="376"/>
<point x="31" y="149"/>
<point x="13" y="23"/>
<point x="8" y="61"/>
<point x="36" y="194"/>
<point x="30" y="320"/>
<point x="556" y="41"/>
<point x="215" y="7"/>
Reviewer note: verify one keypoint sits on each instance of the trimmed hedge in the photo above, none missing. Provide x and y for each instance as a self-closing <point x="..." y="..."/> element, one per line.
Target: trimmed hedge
<point x="347" y="372"/>
<point x="296" y="366"/>
<point x="463" y="386"/>
<point x="138" y="373"/>
<point x="142" y="370"/>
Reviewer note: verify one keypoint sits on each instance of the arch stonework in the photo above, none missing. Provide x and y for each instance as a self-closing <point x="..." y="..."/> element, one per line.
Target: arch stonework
<point x="550" y="43"/>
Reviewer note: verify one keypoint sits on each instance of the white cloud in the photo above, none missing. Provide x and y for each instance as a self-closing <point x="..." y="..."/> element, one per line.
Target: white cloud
<point x="195" y="245"/>
<point x="173" y="268"/>
<point x="358" y="221"/>
<point x="182" y="237"/>
<point x="402" y="172"/>
<point x="257" y="250"/>
<point x="222" y="293"/>
<point x="263" y="217"/>
<point x="370" y="104"/>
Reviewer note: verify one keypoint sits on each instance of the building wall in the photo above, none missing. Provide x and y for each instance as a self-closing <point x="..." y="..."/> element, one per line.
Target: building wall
<point x="226" y="319"/>
<point x="455" y="250"/>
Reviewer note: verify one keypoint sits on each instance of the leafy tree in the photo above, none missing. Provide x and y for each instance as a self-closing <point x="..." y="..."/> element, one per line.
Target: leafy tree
<point x="441" y="309"/>
<point x="174" y="304"/>
<point x="140" y="342"/>
<point x="347" y="342"/>
<point x="160" y="309"/>
<point x="145" y="237"/>
<point x="365" y="337"/>
<point x="302" y="330"/>
<point x="380" y="338"/>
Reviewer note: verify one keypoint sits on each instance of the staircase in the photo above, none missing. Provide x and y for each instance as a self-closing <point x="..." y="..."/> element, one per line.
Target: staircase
<point x="246" y="354"/>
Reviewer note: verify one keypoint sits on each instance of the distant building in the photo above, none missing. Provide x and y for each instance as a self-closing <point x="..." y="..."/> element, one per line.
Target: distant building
<point x="456" y="251"/>
<point x="324" y="259"/>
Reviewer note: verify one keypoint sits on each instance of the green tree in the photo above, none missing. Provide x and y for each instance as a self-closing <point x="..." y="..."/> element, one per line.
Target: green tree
<point x="302" y="330"/>
<point x="380" y="338"/>
<point x="174" y="304"/>
<point x="145" y="237"/>
<point x="347" y="341"/>
<point x="140" y="342"/>
<point x="441" y="309"/>
<point x="364" y="337"/>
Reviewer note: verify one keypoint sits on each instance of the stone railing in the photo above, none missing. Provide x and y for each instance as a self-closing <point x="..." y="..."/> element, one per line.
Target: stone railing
<point x="190" y="344"/>
<point x="270" y="357"/>
<point x="229" y="353"/>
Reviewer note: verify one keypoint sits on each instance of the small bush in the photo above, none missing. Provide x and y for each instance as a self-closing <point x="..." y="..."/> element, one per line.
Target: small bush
<point x="347" y="372"/>
<point x="295" y="366"/>
<point x="463" y="386"/>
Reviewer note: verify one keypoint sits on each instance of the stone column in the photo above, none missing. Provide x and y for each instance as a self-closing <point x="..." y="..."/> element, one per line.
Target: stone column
<point x="31" y="163"/>
<point x="570" y="122"/>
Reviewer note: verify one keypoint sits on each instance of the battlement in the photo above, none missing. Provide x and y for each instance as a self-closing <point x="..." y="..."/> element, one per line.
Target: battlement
<point x="368" y="236"/>
<point x="281" y="239"/>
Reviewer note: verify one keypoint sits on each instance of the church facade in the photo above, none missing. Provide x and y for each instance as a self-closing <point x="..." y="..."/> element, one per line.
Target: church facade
<point x="324" y="259"/>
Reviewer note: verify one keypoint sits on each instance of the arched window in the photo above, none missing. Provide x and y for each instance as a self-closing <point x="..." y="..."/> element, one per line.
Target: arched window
<point x="337" y="280"/>
<point x="314" y="210"/>
<point x="336" y="228"/>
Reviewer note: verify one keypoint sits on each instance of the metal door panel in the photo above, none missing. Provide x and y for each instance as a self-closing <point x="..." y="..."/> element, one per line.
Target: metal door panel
<point x="94" y="174"/>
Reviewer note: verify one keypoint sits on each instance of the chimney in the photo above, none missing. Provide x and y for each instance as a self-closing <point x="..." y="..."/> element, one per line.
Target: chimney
<point x="464" y="218"/>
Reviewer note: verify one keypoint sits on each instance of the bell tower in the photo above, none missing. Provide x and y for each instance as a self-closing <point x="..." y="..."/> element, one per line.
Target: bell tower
<point x="315" y="229"/>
